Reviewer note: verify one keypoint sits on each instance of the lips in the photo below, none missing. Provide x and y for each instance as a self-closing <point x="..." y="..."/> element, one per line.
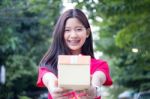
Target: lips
<point x="73" y="42"/>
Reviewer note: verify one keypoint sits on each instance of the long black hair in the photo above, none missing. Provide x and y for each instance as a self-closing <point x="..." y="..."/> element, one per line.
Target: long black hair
<point x="59" y="47"/>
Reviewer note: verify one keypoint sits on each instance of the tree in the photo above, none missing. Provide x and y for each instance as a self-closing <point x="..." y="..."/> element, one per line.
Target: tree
<point x="124" y="36"/>
<point x="25" y="31"/>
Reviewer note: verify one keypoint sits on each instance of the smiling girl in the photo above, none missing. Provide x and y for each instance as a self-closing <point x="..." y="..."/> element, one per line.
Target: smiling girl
<point x="72" y="36"/>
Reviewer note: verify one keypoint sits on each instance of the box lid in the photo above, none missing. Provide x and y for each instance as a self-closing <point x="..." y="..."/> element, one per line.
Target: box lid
<point x="73" y="59"/>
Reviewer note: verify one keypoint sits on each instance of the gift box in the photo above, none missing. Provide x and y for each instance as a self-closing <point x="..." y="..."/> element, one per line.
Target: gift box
<point x="74" y="72"/>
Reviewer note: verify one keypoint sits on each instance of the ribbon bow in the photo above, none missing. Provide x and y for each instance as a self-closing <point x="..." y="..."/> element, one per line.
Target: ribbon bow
<point x="75" y="95"/>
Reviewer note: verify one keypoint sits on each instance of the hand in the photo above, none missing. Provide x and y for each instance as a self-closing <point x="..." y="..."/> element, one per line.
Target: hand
<point x="58" y="93"/>
<point x="87" y="94"/>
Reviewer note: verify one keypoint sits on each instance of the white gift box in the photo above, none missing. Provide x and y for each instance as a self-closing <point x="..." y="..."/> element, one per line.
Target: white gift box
<point x="74" y="72"/>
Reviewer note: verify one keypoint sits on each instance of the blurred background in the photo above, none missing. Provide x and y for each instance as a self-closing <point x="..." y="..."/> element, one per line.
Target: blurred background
<point x="121" y="37"/>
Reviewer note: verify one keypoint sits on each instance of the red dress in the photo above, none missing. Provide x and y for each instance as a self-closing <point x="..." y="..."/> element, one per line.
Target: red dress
<point x="96" y="65"/>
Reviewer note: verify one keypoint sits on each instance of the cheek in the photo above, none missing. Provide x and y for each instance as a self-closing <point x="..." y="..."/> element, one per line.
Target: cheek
<point x="65" y="37"/>
<point x="84" y="37"/>
<point x="83" y="40"/>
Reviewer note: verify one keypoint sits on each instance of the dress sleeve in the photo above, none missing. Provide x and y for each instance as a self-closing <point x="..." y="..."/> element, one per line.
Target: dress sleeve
<point x="105" y="69"/>
<point x="41" y="72"/>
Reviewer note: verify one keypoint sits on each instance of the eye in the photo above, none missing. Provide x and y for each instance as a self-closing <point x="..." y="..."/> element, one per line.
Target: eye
<point x="79" y="29"/>
<point x="67" y="30"/>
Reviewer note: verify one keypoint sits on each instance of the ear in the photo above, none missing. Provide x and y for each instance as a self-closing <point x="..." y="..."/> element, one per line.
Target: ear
<point x="88" y="32"/>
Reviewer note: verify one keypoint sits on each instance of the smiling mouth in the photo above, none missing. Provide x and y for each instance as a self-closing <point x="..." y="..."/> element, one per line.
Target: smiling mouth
<point x="73" y="42"/>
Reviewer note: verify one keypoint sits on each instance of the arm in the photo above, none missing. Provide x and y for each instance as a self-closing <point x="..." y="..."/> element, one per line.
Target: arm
<point x="50" y="81"/>
<point x="98" y="78"/>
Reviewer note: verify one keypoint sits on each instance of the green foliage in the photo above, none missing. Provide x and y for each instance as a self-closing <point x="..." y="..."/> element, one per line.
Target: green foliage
<point x="25" y="34"/>
<point x="24" y="97"/>
<point x="124" y="26"/>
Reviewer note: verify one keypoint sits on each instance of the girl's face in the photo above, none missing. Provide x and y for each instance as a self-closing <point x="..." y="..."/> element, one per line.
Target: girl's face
<point x="75" y="35"/>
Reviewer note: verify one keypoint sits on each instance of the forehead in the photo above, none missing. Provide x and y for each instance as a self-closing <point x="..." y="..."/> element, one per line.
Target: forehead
<point x="73" y="22"/>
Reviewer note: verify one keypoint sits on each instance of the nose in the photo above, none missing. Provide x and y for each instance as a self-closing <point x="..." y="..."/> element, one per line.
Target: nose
<point x="73" y="34"/>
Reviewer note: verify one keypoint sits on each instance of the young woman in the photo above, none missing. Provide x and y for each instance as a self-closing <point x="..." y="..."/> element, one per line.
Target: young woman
<point x="72" y="36"/>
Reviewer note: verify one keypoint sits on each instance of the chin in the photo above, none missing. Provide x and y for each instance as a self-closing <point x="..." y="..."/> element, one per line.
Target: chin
<point x="74" y="48"/>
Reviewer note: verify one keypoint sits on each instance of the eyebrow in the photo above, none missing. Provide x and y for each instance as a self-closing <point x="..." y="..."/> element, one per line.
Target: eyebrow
<point x="76" y="27"/>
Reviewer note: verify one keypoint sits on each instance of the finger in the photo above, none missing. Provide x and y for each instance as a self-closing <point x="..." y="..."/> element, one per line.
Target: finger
<point x="61" y="97"/>
<point x="79" y="91"/>
<point x="66" y="91"/>
<point x="91" y="91"/>
<point x="62" y="90"/>
<point x="55" y="95"/>
<point x="58" y="90"/>
<point x="56" y="83"/>
<point x="82" y="93"/>
<point x="64" y="97"/>
<point x="89" y="97"/>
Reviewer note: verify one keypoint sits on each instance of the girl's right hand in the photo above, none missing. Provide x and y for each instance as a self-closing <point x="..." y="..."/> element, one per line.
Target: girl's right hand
<point x="58" y="93"/>
<point x="51" y="83"/>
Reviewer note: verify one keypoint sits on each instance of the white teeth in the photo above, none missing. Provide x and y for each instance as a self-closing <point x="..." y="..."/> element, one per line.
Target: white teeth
<point x="74" y="42"/>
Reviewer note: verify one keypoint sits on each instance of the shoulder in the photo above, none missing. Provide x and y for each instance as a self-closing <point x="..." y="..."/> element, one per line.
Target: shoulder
<point x="98" y="61"/>
<point x="98" y="64"/>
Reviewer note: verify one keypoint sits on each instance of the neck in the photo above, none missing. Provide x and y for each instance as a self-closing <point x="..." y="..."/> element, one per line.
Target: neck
<point x="75" y="52"/>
